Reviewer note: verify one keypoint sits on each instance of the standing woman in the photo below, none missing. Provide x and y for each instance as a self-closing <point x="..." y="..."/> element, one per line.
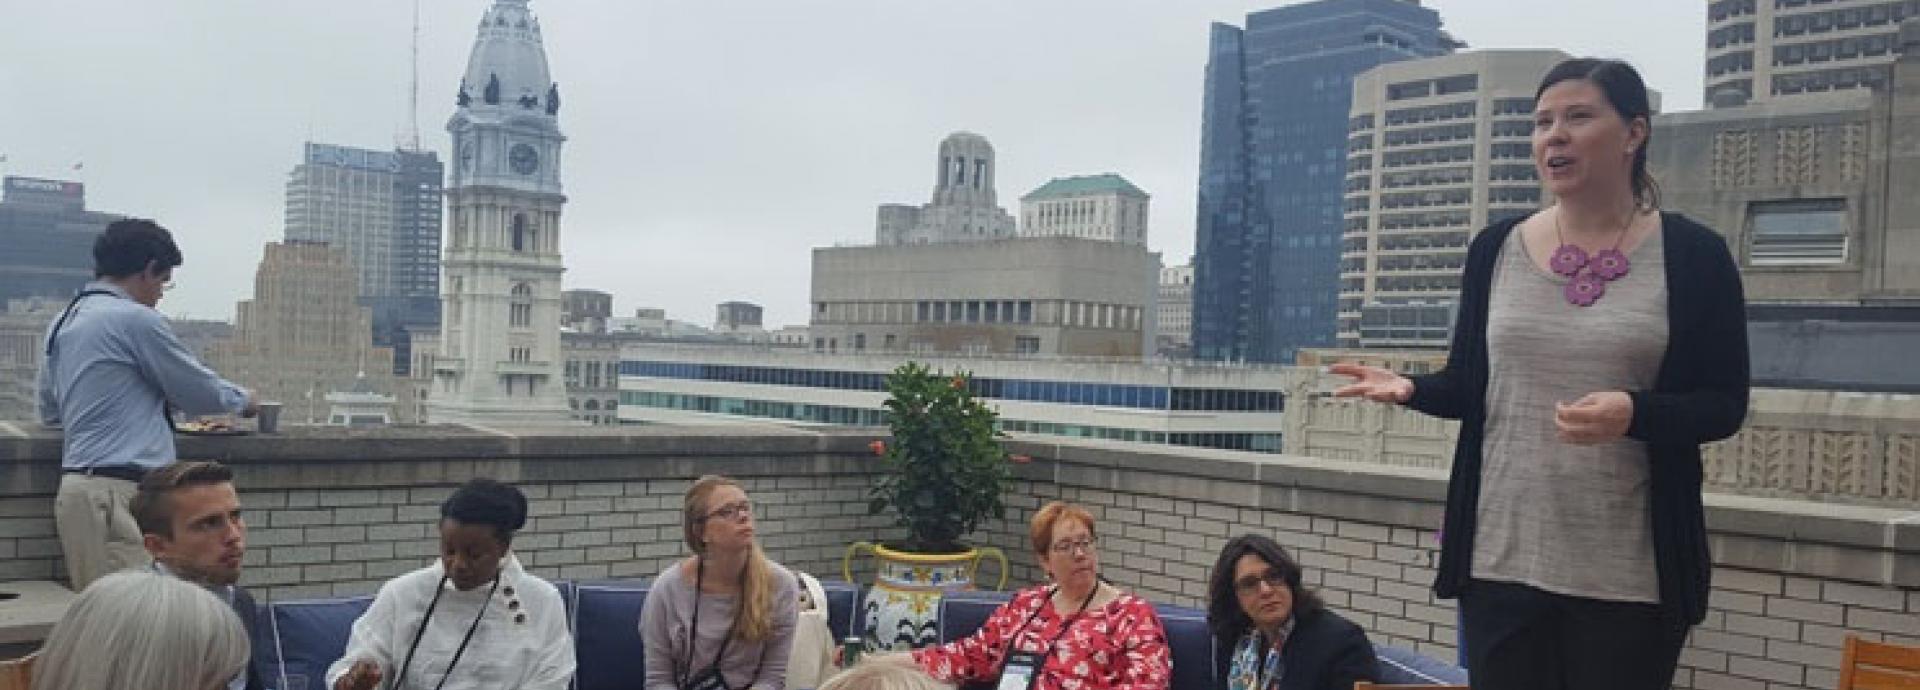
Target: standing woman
<point x="1599" y="343"/>
<point x="723" y="618"/>
<point x="474" y="620"/>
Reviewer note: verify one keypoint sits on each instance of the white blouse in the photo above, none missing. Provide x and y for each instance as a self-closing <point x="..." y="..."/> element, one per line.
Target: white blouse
<point x="521" y="642"/>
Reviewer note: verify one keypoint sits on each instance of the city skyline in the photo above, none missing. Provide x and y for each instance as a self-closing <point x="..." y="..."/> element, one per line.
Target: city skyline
<point x="833" y="110"/>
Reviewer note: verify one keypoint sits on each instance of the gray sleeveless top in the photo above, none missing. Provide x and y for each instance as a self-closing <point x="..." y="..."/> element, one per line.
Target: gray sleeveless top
<point x="1565" y="518"/>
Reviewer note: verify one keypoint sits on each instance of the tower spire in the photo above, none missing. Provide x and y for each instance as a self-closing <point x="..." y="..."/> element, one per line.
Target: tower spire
<point x="413" y="86"/>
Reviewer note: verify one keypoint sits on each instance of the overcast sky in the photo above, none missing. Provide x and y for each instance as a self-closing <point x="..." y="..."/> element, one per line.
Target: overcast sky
<point x="712" y="143"/>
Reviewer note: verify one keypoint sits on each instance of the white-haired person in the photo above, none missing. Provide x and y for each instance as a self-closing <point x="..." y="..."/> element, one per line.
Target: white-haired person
<point x="141" y="630"/>
<point x="885" y="673"/>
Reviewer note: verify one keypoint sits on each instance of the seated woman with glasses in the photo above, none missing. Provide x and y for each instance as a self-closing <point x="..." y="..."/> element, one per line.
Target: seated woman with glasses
<point x="722" y="619"/>
<point x="1079" y="632"/>
<point x="1270" y="633"/>
<point x="474" y="620"/>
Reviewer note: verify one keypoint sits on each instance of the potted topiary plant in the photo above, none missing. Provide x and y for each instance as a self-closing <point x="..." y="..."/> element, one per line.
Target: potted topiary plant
<point x="944" y="473"/>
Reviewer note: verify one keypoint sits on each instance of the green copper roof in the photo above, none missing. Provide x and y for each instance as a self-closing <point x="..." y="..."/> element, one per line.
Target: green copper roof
<point x="1061" y="187"/>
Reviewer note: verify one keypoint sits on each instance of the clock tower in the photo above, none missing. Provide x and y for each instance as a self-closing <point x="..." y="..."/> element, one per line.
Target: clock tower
<point x="500" y="360"/>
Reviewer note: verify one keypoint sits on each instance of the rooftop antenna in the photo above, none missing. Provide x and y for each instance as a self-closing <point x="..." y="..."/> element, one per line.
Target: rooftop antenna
<point x="413" y="88"/>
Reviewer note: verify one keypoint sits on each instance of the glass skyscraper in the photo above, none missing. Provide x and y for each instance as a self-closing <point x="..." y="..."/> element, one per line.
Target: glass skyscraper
<point x="1273" y="149"/>
<point x="384" y="208"/>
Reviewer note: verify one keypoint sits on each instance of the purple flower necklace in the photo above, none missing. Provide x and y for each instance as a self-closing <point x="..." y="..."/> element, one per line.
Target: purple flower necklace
<point x="1589" y="275"/>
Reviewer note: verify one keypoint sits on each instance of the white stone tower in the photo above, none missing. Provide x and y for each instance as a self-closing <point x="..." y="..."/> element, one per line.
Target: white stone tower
<point x="500" y="359"/>
<point x="964" y="208"/>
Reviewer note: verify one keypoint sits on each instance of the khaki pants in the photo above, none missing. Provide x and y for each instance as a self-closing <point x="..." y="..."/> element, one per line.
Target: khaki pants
<point x="97" y="531"/>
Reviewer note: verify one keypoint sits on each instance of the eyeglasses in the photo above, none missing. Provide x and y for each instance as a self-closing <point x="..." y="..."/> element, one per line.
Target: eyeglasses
<point x="733" y="511"/>
<point x="1250" y="584"/>
<point x="1073" y="545"/>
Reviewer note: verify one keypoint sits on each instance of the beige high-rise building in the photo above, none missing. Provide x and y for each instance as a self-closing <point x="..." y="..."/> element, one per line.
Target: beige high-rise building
<point x="1438" y="149"/>
<point x="303" y="335"/>
<point x="23" y="332"/>
<point x="1175" y="307"/>
<point x="1763" y="50"/>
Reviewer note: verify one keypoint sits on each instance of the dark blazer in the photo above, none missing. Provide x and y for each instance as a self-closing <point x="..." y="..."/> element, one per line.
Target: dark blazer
<point x="250" y="617"/>
<point x="1699" y="396"/>
<point x="1325" y="652"/>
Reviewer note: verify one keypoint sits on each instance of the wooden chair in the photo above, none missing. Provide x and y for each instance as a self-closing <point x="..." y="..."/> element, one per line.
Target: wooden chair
<point x="1879" y="666"/>
<point x="1367" y="685"/>
<point x="17" y="674"/>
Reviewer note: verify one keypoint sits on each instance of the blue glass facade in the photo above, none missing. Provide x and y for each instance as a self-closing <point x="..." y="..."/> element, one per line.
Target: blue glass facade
<point x="1272" y="162"/>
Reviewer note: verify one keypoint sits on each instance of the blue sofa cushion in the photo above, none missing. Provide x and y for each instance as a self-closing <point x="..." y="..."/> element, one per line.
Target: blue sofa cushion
<point x="842" y="598"/>
<point x="300" y="639"/>
<point x="1412" y="668"/>
<point x="962" y="613"/>
<point x="606" y="634"/>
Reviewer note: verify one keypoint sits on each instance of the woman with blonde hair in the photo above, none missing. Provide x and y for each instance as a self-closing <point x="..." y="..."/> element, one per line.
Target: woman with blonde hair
<point x="723" y="618"/>
<point x="139" y="629"/>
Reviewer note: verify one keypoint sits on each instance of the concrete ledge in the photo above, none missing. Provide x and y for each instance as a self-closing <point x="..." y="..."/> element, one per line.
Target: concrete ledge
<point x="1862" y="544"/>
<point x="36" y="605"/>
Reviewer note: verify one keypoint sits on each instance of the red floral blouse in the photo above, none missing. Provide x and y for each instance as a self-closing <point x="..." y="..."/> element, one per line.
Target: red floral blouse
<point x="1120" y="646"/>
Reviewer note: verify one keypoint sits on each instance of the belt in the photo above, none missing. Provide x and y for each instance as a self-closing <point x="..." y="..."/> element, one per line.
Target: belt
<point x="130" y="473"/>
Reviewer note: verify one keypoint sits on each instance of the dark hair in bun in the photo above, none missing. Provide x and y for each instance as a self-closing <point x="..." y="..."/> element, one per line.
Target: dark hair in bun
<point x="488" y="502"/>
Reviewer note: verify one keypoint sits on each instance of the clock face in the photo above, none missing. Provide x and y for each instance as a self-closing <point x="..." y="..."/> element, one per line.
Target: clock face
<point x="523" y="159"/>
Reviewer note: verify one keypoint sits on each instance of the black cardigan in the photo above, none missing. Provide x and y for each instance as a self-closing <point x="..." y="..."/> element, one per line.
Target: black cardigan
<point x="1324" y="652"/>
<point x="1700" y="396"/>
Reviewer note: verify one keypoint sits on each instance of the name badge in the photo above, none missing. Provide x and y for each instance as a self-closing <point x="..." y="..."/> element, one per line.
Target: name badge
<point x="1020" y="671"/>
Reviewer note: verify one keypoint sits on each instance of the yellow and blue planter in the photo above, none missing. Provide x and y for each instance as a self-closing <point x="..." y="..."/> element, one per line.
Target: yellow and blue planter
<point x="901" y="610"/>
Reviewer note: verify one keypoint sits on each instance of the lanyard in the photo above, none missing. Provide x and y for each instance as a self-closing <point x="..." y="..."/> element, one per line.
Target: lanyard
<point x="1064" y="626"/>
<point x="400" y="680"/>
<point x="693" y="631"/>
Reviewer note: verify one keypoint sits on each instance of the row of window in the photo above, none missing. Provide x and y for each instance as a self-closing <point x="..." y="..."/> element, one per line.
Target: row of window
<point x="1431" y="113"/>
<point x="1846" y="19"/>
<point x="848" y="416"/>
<point x="1030" y="390"/>
<point x="1828" y="80"/>
<point x="1823" y="51"/>
<point x="1433" y="87"/>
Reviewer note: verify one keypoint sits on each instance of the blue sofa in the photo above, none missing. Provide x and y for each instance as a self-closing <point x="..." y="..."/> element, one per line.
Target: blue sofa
<point x="299" y="639"/>
<point x="1192" y="645"/>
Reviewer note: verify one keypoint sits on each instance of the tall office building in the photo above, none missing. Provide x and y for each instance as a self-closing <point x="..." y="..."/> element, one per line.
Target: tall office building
<point x="1273" y="144"/>
<point x="383" y="208"/>
<point x="1761" y="50"/>
<point x="1440" y="147"/>
<point x="46" y="238"/>
<point x="1099" y="207"/>
<point x="500" y="357"/>
<point x="304" y="334"/>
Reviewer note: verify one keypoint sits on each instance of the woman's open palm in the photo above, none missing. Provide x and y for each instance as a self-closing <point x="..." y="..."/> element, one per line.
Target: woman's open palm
<point x="1372" y="383"/>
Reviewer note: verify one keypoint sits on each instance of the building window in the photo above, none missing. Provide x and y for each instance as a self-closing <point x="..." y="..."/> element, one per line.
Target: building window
<point x="993" y="312"/>
<point x="973" y="312"/>
<point x="859" y="341"/>
<point x="522" y="235"/>
<point x="1026" y="311"/>
<point x="923" y="311"/>
<point x="1026" y="344"/>
<point x="520" y="312"/>
<point x="1799" y="232"/>
<point x="890" y="341"/>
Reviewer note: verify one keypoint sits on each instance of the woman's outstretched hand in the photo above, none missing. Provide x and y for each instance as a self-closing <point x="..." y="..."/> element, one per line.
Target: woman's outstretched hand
<point x="1372" y="383"/>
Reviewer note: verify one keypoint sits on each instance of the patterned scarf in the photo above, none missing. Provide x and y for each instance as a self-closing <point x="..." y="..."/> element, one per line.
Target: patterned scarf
<point x="1253" y="670"/>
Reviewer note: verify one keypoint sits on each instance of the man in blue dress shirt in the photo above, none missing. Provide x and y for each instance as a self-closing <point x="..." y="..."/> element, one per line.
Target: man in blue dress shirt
<point x="113" y="374"/>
